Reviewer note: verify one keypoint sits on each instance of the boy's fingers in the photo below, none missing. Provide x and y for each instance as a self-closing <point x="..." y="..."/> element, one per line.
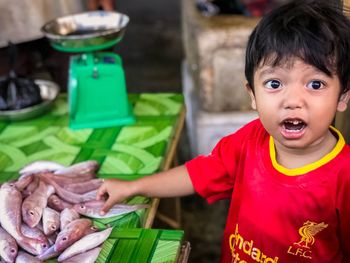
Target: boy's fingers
<point x="107" y="205"/>
<point x="101" y="191"/>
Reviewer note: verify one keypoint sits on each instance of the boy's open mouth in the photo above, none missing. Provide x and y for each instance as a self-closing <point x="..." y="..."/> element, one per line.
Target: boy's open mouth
<point x="293" y="125"/>
<point x="293" y="129"/>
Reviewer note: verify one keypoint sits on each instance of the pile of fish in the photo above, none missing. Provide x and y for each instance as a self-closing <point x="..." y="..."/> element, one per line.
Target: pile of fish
<point x="48" y="211"/>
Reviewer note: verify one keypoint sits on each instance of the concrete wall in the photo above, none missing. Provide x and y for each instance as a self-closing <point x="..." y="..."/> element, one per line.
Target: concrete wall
<point x="213" y="75"/>
<point x="215" y="50"/>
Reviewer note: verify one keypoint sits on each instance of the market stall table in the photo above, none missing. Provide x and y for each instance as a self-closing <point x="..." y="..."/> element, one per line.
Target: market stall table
<point x="125" y="152"/>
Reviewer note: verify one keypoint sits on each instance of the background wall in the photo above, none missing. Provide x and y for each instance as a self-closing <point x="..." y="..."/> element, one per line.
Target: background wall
<point x="152" y="47"/>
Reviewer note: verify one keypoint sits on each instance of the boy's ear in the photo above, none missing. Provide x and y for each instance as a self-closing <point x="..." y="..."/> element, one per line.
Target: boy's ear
<point x="252" y="96"/>
<point x="343" y="101"/>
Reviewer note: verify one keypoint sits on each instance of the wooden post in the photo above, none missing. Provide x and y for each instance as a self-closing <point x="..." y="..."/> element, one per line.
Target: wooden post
<point x="343" y="119"/>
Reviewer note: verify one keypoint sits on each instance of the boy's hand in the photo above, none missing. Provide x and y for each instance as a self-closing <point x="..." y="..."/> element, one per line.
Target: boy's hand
<point x="114" y="191"/>
<point x="170" y="183"/>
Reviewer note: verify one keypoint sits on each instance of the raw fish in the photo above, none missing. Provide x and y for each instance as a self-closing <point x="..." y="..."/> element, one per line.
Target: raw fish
<point x="84" y="187"/>
<point x="81" y="168"/>
<point x="86" y="243"/>
<point x="92" y="209"/>
<point x="40" y="166"/>
<point x="34" y="204"/>
<point x="8" y="246"/>
<point x="63" y="180"/>
<point x="71" y="233"/>
<point x="23" y="182"/>
<point x="86" y="257"/>
<point x="51" y="221"/>
<point x="10" y="219"/>
<point x="68" y="196"/>
<point x="57" y="203"/>
<point x="49" y="253"/>
<point x="10" y="209"/>
<point x="31" y="187"/>
<point x="24" y="257"/>
<point x="35" y="233"/>
<point x="68" y="215"/>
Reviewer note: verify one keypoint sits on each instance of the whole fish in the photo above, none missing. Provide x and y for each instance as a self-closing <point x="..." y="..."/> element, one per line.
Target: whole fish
<point x="10" y="208"/>
<point x="92" y="209"/>
<point x="86" y="167"/>
<point x="33" y="205"/>
<point x="71" y="233"/>
<point x="63" y="180"/>
<point x="90" y="230"/>
<point x="68" y="215"/>
<point x="10" y="219"/>
<point x="57" y="203"/>
<point x="48" y="254"/>
<point x="87" y="257"/>
<point x="90" y="196"/>
<point x="51" y="221"/>
<point x="84" y="244"/>
<point x="32" y="245"/>
<point x="40" y="166"/>
<point x="35" y="233"/>
<point x="31" y="187"/>
<point x="8" y="246"/>
<point x="68" y="196"/>
<point x="24" y="257"/>
<point x="23" y="182"/>
<point x="84" y="187"/>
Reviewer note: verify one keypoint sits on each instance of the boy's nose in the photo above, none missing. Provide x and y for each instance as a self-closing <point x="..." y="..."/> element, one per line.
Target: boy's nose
<point x="294" y="98"/>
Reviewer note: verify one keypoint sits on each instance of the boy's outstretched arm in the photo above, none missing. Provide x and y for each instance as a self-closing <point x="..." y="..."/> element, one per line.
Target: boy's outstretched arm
<point x="171" y="183"/>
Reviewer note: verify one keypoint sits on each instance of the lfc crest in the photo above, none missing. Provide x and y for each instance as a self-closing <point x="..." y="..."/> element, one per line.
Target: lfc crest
<point x="307" y="233"/>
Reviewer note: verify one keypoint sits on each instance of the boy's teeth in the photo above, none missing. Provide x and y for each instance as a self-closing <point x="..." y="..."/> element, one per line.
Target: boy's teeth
<point x="294" y="125"/>
<point x="295" y="122"/>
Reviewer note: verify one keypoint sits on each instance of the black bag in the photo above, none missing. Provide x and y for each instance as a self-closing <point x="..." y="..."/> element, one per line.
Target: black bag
<point x="17" y="92"/>
<point x="215" y="7"/>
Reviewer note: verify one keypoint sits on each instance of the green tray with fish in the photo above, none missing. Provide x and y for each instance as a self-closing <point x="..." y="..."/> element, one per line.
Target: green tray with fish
<point x="125" y="152"/>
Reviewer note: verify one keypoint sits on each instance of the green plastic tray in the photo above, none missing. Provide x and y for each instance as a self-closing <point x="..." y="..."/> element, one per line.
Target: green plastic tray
<point x="142" y="246"/>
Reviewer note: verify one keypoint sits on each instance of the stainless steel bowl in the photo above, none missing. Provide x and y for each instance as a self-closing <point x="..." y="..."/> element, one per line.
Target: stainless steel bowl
<point x="87" y="31"/>
<point x="48" y="91"/>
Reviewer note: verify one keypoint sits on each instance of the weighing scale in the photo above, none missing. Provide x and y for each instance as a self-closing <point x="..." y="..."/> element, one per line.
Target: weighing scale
<point x="97" y="93"/>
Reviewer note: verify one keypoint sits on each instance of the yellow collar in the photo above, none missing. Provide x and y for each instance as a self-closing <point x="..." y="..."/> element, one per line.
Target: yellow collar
<point x="309" y="167"/>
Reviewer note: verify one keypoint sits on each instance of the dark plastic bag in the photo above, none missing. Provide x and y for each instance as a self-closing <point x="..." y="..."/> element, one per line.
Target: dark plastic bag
<point x="17" y="92"/>
<point x="215" y="7"/>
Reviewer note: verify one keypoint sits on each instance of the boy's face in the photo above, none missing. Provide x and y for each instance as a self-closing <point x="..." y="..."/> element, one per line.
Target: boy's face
<point x="296" y="103"/>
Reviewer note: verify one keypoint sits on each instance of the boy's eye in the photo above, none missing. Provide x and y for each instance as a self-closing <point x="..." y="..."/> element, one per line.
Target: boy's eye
<point x="273" y="84"/>
<point x="315" y="84"/>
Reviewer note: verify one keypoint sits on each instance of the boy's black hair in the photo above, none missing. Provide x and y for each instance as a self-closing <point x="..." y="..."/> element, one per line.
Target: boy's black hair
<point x="314" y="30"/>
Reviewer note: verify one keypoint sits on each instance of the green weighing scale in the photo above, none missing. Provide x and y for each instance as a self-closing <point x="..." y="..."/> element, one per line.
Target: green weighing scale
<point x="97" y="93"/>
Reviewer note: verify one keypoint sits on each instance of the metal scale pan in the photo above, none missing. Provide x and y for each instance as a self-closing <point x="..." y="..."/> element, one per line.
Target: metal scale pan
<point x="84" y="32"/>
<point x="96" y="86"/>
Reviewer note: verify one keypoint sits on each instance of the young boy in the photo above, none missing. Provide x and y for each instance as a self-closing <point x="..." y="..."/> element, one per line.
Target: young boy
<point x="288" y="172"/>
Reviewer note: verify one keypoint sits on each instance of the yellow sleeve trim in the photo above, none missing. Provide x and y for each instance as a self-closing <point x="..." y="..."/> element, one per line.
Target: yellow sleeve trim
<point x="312" y="166"/>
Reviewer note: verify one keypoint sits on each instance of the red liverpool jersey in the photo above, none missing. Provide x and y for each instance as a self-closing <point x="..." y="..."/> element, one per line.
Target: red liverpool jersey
<point x="277" y="214"/>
